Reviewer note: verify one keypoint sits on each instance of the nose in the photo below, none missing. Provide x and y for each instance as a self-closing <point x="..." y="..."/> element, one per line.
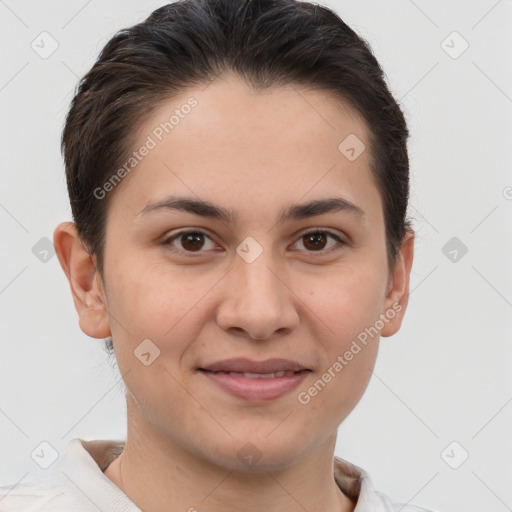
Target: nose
<point x="257" y="301"/>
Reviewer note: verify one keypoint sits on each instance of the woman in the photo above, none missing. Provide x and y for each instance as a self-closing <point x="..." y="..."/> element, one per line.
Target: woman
<point x="238" y="176"/>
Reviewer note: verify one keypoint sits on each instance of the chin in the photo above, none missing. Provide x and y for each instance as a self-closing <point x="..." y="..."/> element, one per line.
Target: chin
<point x="257" y="454"/>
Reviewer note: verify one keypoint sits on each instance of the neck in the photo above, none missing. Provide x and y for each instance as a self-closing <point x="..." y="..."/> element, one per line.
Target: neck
<point x="153" y="472"/>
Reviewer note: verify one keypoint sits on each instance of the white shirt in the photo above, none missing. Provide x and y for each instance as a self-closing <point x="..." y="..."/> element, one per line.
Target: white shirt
<point x="76" y="483"/>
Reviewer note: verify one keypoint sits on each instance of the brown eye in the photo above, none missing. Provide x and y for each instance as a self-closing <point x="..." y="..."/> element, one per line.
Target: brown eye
<point x="192" y="241"/>
<point x="189" y="242"/>
<point x="316" y="241"/>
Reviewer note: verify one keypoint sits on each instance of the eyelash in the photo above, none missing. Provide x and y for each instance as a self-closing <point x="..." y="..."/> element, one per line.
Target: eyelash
<point x="168" y="241"/>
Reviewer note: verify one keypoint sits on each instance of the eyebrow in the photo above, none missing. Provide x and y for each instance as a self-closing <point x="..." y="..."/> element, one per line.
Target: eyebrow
<point x="294" y="212"/>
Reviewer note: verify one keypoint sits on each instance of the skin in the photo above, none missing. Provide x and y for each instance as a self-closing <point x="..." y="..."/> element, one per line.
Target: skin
<point x="257" y="154"/>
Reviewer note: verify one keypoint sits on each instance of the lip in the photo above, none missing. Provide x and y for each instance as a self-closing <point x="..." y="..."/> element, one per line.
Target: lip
<point x="255" y="389"/>
<point x="243" y="365"/>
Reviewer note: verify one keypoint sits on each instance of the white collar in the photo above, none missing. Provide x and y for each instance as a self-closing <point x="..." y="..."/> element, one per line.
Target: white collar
<point x="84" y="462"/>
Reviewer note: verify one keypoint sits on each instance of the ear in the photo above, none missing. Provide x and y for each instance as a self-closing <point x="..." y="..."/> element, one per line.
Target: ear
<point x="85" y="282"/>
<point x="397" y="295"/>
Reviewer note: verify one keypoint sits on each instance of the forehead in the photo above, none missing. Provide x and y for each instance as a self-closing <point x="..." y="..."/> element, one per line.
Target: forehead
<point x="248" y="149"/>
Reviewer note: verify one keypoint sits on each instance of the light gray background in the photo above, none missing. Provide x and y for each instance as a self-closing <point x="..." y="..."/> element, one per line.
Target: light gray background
<point x="444" y="377"/>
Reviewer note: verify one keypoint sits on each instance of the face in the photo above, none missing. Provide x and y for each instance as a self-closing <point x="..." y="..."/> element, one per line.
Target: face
<point x="187" y="287"/>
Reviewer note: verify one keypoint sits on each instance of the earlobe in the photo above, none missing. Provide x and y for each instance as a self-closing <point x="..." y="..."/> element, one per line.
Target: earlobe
<point x="397" y="297"/>
<point x="84" y="280"/>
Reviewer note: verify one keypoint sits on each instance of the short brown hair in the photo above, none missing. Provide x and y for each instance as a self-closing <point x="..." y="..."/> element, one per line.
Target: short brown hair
<point x="188" y="42"/>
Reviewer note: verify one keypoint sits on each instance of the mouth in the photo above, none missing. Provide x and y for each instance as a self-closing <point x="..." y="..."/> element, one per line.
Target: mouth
<point x="248" y="375"/>
<point x="267" y="367"/>
<point x="256" y="387"/>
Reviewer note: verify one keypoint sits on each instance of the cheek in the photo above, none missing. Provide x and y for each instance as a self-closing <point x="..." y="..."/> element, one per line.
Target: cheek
<point x="348" y="301"/>
<point x="330" y="396"/>
<point x="348" y="306"/>
<point x="153" y="298"/>
<point x="168" y="307"/>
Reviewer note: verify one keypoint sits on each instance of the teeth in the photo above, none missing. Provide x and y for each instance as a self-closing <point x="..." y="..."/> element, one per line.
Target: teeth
<point x="259" y="375"/>
<point x="247" y="375"/>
